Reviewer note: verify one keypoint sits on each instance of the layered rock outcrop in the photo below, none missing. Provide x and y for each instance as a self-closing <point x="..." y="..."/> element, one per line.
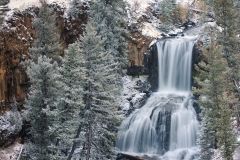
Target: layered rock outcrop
<point x="138" y="45"/>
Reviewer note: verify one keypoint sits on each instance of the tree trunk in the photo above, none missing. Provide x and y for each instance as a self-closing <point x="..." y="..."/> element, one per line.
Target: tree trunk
<point x="89" y="132"/>
<point x="74" y="143"/>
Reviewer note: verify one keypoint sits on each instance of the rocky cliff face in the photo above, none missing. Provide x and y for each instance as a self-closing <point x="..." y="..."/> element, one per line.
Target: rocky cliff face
<point x="16" y="36"/>
<point x="15" y="39"/>
<point x="138" y="45"/>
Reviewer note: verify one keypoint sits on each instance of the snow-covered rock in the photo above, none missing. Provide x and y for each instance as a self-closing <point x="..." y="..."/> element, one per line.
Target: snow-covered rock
<point x="10" y="126"/>
<point x="134" y="94"/>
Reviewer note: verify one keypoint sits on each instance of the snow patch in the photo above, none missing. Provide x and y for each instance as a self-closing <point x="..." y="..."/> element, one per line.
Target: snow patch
<point x="11" y="152"/>
<point x="217" y="155"/>
<point x="23" y="4"/>
<point x="150" y="30"/>
<point x="236" y="154"/>
<point x="143" y="4"/>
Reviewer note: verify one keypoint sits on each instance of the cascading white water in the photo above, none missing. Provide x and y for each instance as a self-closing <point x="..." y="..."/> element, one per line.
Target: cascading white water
<point x="167" y="124"/>
<point x="174" y="63"/>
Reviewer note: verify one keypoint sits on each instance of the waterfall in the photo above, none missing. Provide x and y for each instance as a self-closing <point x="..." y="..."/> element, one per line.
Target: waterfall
<point x="166" y="126"/>
<point x="174" y="64"/>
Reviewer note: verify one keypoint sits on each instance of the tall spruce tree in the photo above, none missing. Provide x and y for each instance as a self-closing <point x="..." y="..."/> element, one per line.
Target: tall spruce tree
<point x="41" y="101"/>
<point x="48" y="40"/>
<point x="108" y="17"/>
<point x="41" y="106"/>
<point x="226" y="16"/>
<point x="71" y="102"/>
<point x="76" y="7"/>
<point x="100" y="122"/>
<point x="226" y="139"/>
<point x="212" y="88"/>
<point x="166" y="14"/>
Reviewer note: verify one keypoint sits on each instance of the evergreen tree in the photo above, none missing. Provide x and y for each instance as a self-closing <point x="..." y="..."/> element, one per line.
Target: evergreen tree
<point x="205" y="138"/>
<point x="47" y="42"/>
<point x="14" y="117"/>
<point x="226" y="16"/>
<point x="166" y="12"/>
<point x="166" y="9"/>
<point x="108" y="17"/>
<point x="70" y="103"/>
<point x="41" y="101"/>
<point x="100" y="123"/>
<point x="76" y="7"/>
<point x="212" y="90"/>
<point x="41" y="106"/>
<point x="225" y="135"/>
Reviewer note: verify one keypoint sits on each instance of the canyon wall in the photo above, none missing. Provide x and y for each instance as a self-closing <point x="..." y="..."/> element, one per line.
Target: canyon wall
<point x="16" y="37"/>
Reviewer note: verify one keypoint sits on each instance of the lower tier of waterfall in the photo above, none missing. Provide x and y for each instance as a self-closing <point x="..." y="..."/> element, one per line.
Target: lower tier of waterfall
<point x="166" y="126"/>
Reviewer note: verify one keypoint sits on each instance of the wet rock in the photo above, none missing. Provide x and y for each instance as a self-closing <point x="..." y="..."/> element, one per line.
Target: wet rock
<point x="153" y="67"/>
<point x="188" y="24"/>
<point x="4" y="2"/>
<point x="122" y="156"/>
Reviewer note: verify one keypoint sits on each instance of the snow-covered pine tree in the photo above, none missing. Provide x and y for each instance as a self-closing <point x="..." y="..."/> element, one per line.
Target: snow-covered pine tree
<point x="226" y="16"/>
<point x="14" y="116"/>
<point x="212" y="88"/>
<point x="76" y="7"/>
<point x="48" y="40"/>
<point x="70" y="103"/>
<point x="166" y="13"/>
<point x="41" y="107"/>
<point x="109" y="17"/>
<point x="100" y="122"/>
<point x="227" y="142"/>
<point x="205" y="137"/>
<point x="43" y="93"/>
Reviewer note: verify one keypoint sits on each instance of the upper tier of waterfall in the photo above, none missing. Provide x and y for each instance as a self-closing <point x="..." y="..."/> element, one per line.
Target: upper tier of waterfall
<point x="174" y="65"/>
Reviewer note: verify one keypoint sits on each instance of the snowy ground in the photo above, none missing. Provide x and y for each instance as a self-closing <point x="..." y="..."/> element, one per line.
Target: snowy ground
<point x="11" y="152"/>
<point x="23" y="4"/>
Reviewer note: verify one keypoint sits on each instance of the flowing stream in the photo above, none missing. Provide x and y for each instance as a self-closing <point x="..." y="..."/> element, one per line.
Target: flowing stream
<point x="166" y="126"/>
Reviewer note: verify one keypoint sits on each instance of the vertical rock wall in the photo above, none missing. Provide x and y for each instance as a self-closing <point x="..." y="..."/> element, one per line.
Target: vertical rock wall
<point x="15" y="39"/>
<point x="137" y="47"/>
